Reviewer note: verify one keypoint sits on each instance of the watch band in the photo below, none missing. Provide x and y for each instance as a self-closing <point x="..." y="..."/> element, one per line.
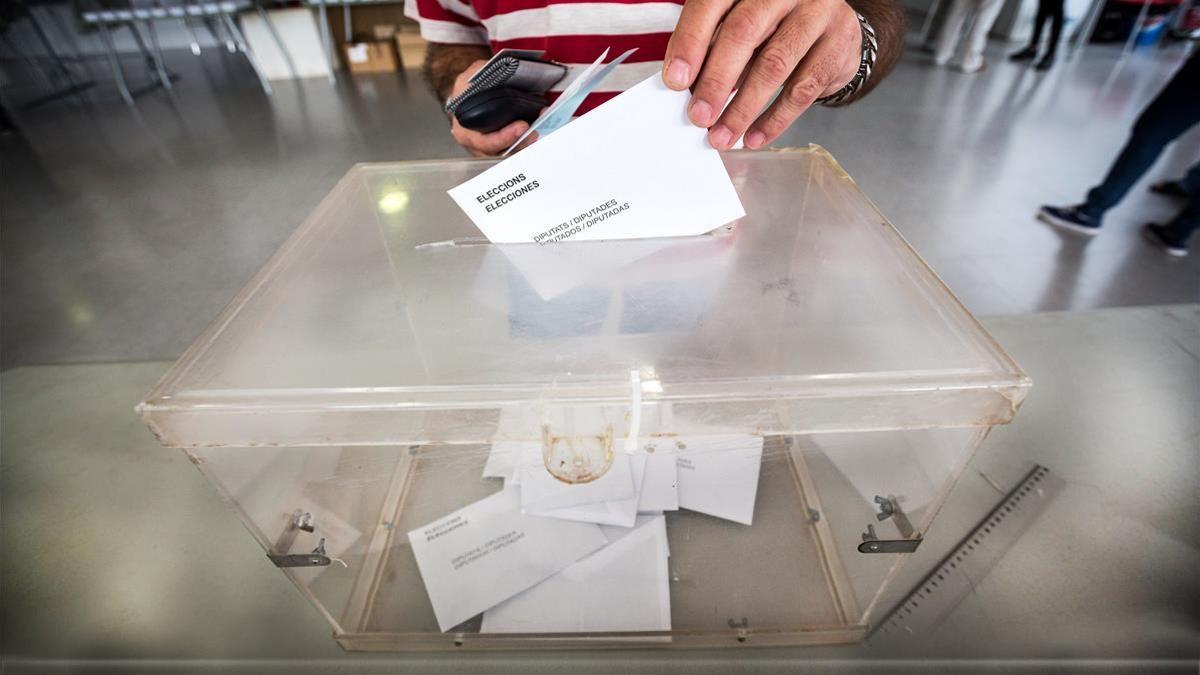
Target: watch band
<point x="870" y="48"/>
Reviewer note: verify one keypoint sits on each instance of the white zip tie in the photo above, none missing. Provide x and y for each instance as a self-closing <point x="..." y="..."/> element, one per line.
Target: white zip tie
<point x="635" y="412"/>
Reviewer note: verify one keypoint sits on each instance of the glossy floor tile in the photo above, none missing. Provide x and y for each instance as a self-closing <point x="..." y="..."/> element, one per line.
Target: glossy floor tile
<point x="125" y="230"/>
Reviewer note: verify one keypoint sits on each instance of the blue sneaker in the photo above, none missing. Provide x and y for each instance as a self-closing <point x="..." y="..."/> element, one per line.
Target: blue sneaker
<point x="1156" y="234"/>
<point x="1069" y="218"/>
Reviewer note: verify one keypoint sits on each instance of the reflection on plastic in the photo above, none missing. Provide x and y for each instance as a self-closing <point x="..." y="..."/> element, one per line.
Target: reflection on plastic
<point x="393" y="201"/>
<point x="577" y="459"/>
<point x="554" y="271"/>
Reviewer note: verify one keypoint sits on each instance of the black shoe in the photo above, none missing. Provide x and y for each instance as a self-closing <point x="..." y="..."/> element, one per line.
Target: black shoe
<point x="1156" y="234"/>
<point x="1044" y="63"/>
<point x="1170" y="188"/>
<point x="1026" y="54"/>
<point x="1069" y="218"/>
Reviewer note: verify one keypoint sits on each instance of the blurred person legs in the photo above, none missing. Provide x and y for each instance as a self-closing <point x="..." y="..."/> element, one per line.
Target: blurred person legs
<point x="1175" y="110"/>
<point x="1185" y="187"/>
<point x="986" y="12"/>
<point x="1054" y="11"/>
<point x="1173" y="237"/>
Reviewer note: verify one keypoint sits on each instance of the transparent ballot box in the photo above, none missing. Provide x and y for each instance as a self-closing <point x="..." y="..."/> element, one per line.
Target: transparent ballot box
<point x="733" y="439"/>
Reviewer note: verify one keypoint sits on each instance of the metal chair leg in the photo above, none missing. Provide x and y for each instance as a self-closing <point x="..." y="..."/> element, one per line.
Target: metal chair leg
<point x="115" y="62"/>
<point x="31" y="63"/>
<point x="234" y="31"/>
<point x="194" y="40"/>
<point x="1131" y="43"/>
<point x="287" y="56"/>
<point x="55" y="57"/>
<point x="156" y="55"/>
<point x="326" y="46"/>
<point x="1083" y="34"/>
<point x="73" y="85"/>
<point x="214" y="27"/>
<point x="141" y="43"/>
<point x="927" y="26"/>
<point x="72" y="41"/>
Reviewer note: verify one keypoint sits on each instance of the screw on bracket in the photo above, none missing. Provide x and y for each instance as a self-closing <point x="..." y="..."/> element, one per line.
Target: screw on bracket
<point x="871" y="543"/>
<point x="742" y="627"/>
<point x="304" y="521"/>
<point x="886" y="508"/>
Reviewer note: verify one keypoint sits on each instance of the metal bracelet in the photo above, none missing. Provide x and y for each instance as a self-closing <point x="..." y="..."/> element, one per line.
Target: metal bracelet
<point x="870" y="48"/>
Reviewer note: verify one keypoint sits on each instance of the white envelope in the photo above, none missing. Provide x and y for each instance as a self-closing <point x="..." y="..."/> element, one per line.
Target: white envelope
<point x="719" y="476"/>
<point x="620" y="513"/>
<point x="541" y="491"/>
<point x="502" y="458"/>
<point x="487" y="552"/>
<point x="660" y="490"/>
<point x="563" y="109"/>
<point x="635" y="167"/>
<point x="624" y="586"/>
<point x="615" y="533"/>
<point x="552" y="271"/>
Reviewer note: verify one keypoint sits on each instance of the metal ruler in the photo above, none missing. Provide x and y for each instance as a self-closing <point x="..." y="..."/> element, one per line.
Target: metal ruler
<point x="964" y="567"/>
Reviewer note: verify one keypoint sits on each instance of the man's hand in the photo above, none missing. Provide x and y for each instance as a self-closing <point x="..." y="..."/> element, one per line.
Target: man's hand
<point x="480" y="144"/>
<point x="810" y="48"/>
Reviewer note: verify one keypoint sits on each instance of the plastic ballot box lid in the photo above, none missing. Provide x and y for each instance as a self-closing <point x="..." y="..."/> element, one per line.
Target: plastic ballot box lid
<point x="387" y="319"/>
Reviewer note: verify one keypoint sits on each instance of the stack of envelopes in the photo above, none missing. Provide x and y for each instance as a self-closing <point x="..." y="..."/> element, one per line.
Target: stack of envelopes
<point x="545" y="556"/>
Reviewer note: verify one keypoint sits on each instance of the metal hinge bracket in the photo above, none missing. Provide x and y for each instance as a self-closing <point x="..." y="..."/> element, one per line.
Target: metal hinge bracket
<point x="299" y="521"/>
<point x="889" y="508"/>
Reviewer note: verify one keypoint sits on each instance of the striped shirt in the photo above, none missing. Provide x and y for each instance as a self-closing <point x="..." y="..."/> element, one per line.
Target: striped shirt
<point x="568" y="31"/>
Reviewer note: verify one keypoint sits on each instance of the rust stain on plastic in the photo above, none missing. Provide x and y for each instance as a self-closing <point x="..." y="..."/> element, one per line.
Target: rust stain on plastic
<point x="575" y="463"/>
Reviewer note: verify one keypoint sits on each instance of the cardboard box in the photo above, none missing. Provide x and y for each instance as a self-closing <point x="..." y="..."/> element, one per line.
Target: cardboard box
<point x="369" y="56"/>
<point x="411" y="49"/>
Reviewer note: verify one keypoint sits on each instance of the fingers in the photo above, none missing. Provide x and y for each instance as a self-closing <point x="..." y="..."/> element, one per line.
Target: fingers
<point x="530" y="140"/>
<point x="475" y="66"/>
<point x="770" y="69"/>
<point x="463" y="79"/>
<point x="819" y="73"/>
<point x="491" y="144"/>
<point x="745" y="27"/>
<point x="690" y="39"/>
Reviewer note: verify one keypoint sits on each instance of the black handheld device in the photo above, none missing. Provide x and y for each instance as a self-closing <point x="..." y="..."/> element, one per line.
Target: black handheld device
<point x="510" y="87"/>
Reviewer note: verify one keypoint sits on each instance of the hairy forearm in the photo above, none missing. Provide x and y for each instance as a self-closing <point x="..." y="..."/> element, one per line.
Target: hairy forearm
<point x="444" y="62"/>
<point x="887" y="18"/>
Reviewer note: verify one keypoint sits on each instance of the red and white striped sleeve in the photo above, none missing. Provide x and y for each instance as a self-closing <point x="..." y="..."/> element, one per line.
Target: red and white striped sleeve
<point x="447" y="21"/>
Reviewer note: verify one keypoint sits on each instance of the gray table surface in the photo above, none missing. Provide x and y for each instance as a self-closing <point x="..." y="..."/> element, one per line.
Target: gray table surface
<point x="116" y="553"/>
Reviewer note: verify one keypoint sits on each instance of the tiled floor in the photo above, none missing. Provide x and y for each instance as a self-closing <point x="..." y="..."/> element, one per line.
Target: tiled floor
<point x="126" y="229"/>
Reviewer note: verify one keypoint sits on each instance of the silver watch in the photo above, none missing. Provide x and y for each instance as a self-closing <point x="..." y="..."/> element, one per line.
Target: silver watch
<point x="870" y="48"/>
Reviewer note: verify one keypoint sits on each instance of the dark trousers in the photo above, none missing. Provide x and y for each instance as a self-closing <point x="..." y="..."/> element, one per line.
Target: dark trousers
<point x="1175" y="110"/>
<point x="1180" y="229"/>
<point x="1052" y="10"/>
